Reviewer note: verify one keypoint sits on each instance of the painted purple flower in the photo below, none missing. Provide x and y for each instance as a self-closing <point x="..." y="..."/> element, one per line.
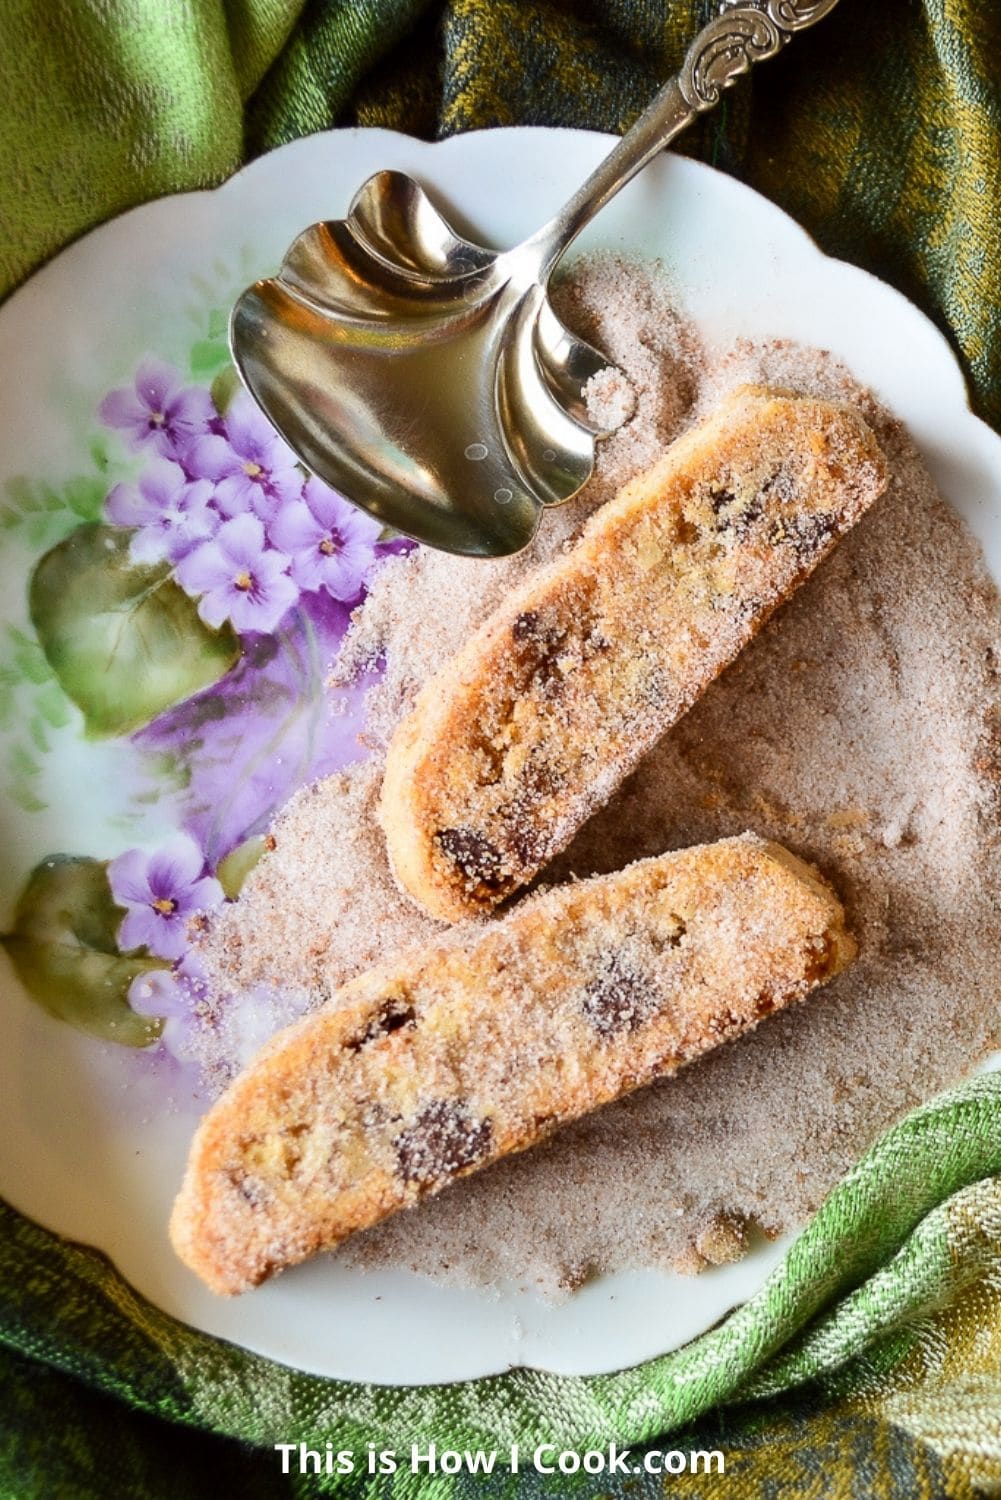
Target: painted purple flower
<point x="172" y="512"/>
<point x="159" y="993"/>
<point x="252" y="468"/>
<point x="178" y="997"/>
<point x="394" y="545"/>
<point x="161" y="893"/>
<point x="158" y="411"/>
<point x="238" y="750"/>
<point x="239" y="1023"/>
<point x="240" y="578"/>
<point x="330" y="542"/>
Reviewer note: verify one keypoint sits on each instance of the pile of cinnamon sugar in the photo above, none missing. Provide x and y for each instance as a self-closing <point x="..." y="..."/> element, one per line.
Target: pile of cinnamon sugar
<point x="862" y="729"/>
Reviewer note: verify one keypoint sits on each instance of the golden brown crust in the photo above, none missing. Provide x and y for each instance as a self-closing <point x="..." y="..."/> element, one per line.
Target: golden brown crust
<point x="513" y="745"/>
<point x="438" y="1062"/>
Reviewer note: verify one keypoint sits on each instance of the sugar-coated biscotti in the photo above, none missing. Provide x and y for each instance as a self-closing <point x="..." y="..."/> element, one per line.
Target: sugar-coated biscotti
<point x="438" y="1062"/>
<point x="531" y="727"/>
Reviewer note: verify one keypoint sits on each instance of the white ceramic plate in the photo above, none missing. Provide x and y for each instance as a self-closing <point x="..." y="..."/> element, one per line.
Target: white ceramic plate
<point x="93" y="1136"/>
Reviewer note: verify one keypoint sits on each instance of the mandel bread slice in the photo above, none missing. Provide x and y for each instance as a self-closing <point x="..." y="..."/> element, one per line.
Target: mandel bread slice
<point x="549" y="706"/>
<point x="438" y="1062"/>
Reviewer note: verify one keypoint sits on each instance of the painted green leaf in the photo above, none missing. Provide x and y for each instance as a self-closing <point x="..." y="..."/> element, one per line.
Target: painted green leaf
<point x="85" y="497"/>
<point x="22" y="762"/>
<point x="207" y="357"/>
<point x="36" y="729"/>
<point x="38" y="531"/>
<point x="218" y="323"/>
<point x="125" y="642"/>
<point x="224" y="387"/>
<point x="52" y="705"/>
<point x="46" y="513"/>
<point x="239" y="862"/>
<point x="23" y="797"/>
<point x="29" y="658"/>
<point x="22" y="492"/>
<point x="64" y="950"/>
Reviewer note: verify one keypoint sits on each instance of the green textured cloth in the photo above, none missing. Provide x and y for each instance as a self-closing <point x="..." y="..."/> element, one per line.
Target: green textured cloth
<point x="871" y="1363"/>
<point x="878" y="131"/>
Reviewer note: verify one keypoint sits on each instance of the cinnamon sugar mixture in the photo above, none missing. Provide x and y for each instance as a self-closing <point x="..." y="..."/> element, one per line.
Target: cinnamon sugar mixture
<point x="862" y="729"/>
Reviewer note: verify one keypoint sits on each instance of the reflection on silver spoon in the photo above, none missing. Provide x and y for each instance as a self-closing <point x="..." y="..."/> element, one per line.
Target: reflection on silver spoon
<point x="426" y="377"/>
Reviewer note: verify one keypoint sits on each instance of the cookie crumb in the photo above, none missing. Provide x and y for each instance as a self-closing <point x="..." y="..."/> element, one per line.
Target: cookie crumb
<point x="723" y="1239"/>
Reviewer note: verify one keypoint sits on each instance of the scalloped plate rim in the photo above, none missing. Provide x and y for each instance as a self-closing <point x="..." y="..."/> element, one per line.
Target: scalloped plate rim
<point x="593" y="1307"/>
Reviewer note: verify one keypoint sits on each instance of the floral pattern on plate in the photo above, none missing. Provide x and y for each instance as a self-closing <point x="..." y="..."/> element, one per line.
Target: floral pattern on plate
<point x="191" y="608"/>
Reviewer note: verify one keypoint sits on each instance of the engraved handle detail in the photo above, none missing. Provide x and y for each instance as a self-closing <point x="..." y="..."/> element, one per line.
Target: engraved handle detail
<point x="725" y="49"/>
<point x="797" y="15"/>
<point x="742" y="35"/>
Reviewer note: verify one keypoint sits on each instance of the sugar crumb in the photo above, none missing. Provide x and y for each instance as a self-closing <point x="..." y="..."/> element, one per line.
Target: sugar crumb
<point x="610" y="398"/>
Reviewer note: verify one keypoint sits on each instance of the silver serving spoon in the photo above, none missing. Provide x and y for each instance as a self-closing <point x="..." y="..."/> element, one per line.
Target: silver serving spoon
<point x="426" y="377"/>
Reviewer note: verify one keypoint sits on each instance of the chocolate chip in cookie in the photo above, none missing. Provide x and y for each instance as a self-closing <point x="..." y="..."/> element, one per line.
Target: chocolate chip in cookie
<point x="806" y="533"/>
<point x="473" y="855"/>
<point x="393" y="1015"/>
<point x="732" y="515"/>
<point x="443" y="1139"/>
<point x="619" y="997"/>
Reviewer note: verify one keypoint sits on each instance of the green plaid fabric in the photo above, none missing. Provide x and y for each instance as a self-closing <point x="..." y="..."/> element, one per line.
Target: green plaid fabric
<point x="871" y="1362"/>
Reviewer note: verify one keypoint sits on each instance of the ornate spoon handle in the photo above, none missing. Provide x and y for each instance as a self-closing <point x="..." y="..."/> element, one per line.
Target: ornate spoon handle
<point x="725" y="48"/>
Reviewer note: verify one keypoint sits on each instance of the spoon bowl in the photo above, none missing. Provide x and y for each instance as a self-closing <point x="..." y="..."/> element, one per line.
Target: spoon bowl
<point x="426" y="377"/>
